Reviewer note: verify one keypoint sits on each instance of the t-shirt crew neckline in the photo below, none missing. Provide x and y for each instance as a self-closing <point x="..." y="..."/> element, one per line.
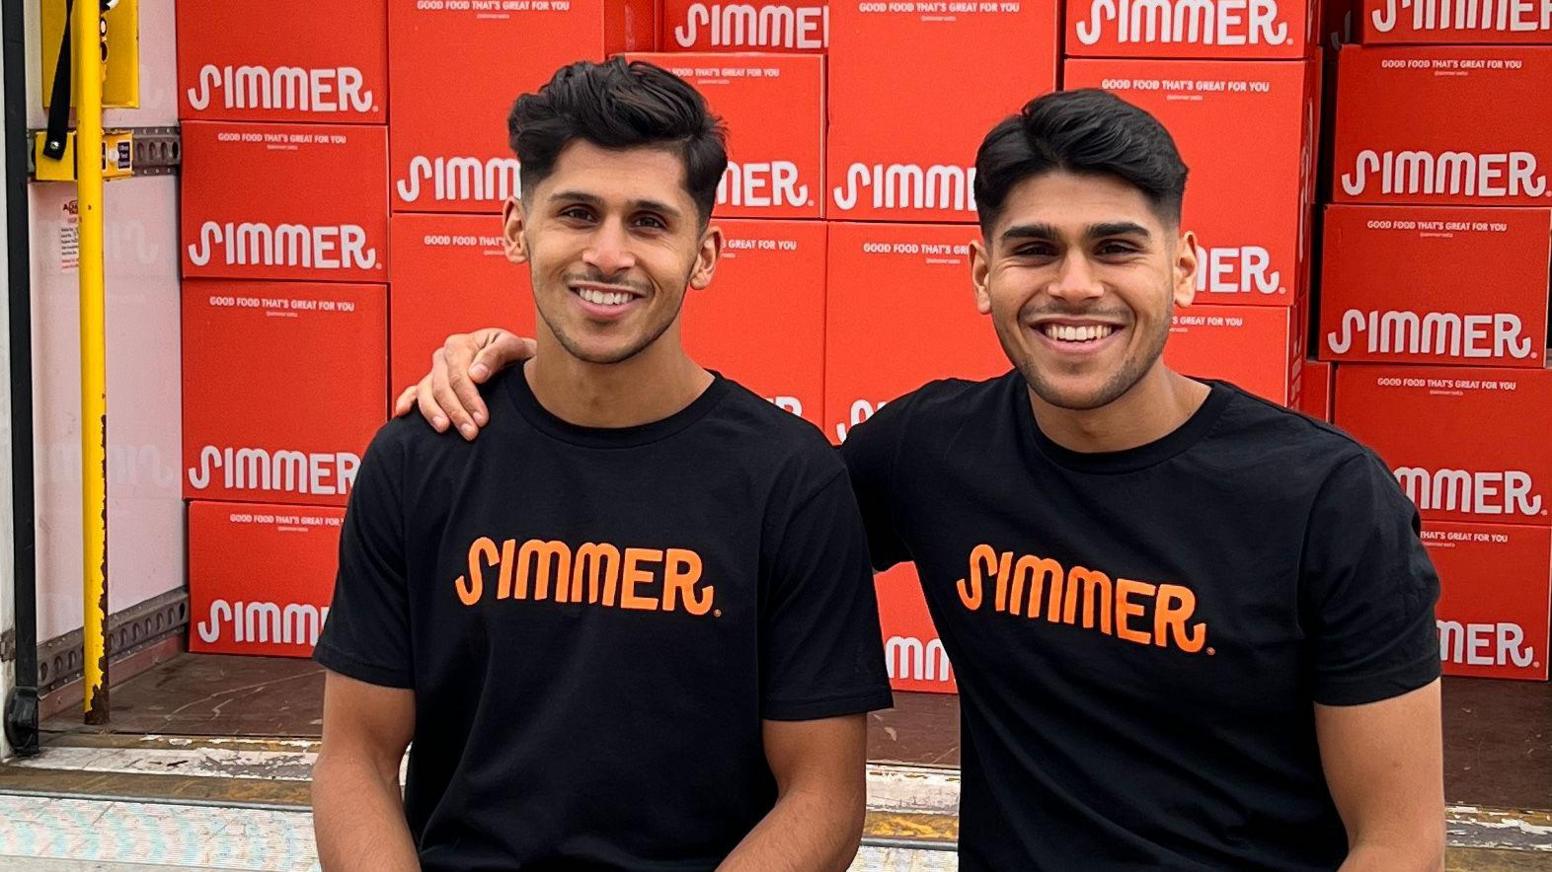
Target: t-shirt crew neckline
<point x="521" y="395"/>
<point x="1130" y="459"/>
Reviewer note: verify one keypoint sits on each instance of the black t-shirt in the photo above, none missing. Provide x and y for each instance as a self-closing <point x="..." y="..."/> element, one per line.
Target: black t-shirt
<point x="596" y="621"/>
<point x="1139" y="636"/>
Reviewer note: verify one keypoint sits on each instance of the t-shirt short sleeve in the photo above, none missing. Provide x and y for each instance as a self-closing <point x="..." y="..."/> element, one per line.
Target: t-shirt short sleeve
<point x="870" y="452"/>
<point x="367" y="634"/>
<point x="821" y="650"/>
<point x="1369" y="589"/>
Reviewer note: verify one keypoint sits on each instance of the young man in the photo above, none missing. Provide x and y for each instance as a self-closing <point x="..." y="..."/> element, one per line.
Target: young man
<point x="1191" y="630"/>
<point x="633" y="627"/>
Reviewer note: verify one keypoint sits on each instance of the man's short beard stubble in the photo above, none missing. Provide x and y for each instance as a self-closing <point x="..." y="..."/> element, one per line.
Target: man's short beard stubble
<point x="1131" y="372"/>
<point x="625" y="354"/>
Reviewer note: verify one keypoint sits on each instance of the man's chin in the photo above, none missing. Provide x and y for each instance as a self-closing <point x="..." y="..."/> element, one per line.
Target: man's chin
<point x="1074" y="395"/>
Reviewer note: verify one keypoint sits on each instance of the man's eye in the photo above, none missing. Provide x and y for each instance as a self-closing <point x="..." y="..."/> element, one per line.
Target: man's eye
<point x="651" y="221"/>
<point x="576" y="213"/>
<point x="1116" y="248"/>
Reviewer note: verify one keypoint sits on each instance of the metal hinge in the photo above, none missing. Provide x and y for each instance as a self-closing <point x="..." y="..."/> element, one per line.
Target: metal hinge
<point x="139" y="151"/>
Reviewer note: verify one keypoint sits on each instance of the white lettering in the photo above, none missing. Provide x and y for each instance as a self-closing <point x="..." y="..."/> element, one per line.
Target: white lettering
<point x="331" y="89"/>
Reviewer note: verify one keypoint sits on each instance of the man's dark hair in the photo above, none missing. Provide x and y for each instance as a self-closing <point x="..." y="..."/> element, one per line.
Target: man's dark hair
<point x="1082" y="131"/>
<point x="617" y="105"/>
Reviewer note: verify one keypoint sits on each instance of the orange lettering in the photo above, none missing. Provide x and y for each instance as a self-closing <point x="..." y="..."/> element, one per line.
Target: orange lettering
<point x="470" y="589"/>
<point x="1004" y="575"/>
<point x="1125" y="608"/>
<point x="681" y="570"/>
<point x="635" y="575"/>
<point x="1034" y="572"/>
<point x="973" y="594"/>
<point x="543" y="555"/>
<point x="1094" y="588"/>
<point x="1176" y="604"/>
<point x="597" y="569"/>
<point x="508" y="565"/>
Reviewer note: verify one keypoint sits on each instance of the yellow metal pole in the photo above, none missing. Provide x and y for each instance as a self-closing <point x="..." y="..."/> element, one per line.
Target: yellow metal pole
<point x="87" y="62"/>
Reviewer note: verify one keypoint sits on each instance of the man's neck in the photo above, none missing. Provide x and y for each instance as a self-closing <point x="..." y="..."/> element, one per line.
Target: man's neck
<point x="1153" y="408"/>
<point x="654" y="384"/>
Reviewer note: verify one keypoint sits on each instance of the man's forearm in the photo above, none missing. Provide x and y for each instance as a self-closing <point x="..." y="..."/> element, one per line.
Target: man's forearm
<point x="802" y="833"/>
<point x="358" y="818"/>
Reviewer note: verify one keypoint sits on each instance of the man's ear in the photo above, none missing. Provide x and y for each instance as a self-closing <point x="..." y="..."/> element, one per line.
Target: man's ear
<point x="980" y="274"/>
<point x="706" y="258"/>
<point x="1185" y="267"/>
<point x="512" y="222"/>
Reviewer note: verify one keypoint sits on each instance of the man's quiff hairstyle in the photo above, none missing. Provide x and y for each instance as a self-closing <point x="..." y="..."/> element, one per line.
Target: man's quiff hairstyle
<point x="620" y="105"/>
<point x="1081" y="131"/>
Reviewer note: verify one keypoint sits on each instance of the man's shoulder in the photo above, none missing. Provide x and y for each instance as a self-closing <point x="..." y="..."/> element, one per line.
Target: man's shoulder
<point x="412" y="447"/>
<point x="1281" y="441"/>
<point x="937" y="407"/>
<point x="770" y="434"/>
<point x="949" y="399"/>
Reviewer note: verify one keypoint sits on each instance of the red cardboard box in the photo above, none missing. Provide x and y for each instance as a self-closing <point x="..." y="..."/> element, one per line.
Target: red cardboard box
<point x="1441" y="285"/>
<point x="284" y="201"/>
<point x="1451" y="22"/>
<point x="1317" y="388"/>
<point x="454" y="74"/>
<point x="1467" y="444"/>
<point x="1495" y="587"/>
<point x="913" y="651"/>
<point x="261" y="577"/>
<point x="450" y="275"/>
<point x="1248" y="133"/>
<point x="284" y="384"/>
<point x="902" y="139"/>
<point x="1234" y="29"/>
<point x="255" y="62"/>
<point x="900" y="312"/>
<point x="1258" y="348"/>
<point x="760" y="25"/>
<point x="1443" y="126"/>
<point x="775" y="170"/>
<point x="762" y="320"/>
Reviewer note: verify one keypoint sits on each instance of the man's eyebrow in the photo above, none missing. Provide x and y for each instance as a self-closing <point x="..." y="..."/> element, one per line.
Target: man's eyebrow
<point x="594" y="200"/>
<point x="1116" y="228"/>
<point x="1029" y="231"/>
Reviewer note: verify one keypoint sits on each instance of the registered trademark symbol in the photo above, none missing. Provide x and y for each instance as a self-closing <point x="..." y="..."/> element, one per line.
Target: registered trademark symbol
<point x="1212" y="652"/>
<point x="716" y="613"/>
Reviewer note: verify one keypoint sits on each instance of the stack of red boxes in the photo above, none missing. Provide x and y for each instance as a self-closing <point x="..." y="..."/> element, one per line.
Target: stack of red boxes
<point x="1238" y="86"/>
<point x="1434" y="301"/>
<point x="285" y="256"/>
<point x="901" y="150"/>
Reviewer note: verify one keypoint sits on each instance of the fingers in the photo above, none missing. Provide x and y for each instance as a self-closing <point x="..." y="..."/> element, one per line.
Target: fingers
<point x="498" y="349"/>
<point x="426" y="402"/>
<point x="463" y="404"/>
<point x="442" y="374"/>
<point x="405" y="402"/>
<point x="465" y="389"/>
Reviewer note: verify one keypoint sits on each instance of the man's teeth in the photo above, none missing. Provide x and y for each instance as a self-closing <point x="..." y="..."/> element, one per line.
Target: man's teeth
<point x="603" y="298"/>
<point x="1069" y="333"/>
